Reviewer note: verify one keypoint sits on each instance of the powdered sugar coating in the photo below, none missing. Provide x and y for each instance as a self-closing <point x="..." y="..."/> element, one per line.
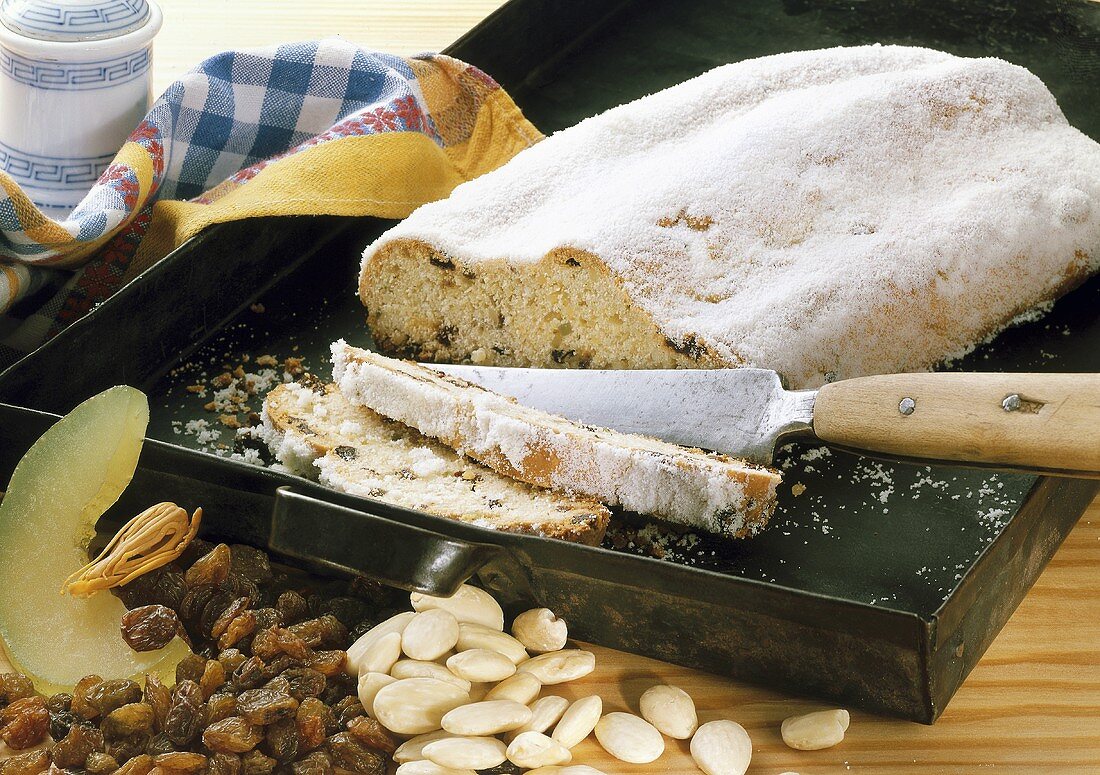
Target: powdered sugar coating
<point x="852" y="210"/>
<point x="707" y="491"/>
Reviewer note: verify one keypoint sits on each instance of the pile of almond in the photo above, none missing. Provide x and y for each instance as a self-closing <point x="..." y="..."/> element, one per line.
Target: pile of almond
<point x="465" y="694"/>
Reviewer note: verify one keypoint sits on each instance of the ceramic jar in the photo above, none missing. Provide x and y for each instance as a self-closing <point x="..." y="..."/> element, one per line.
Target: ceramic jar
<point x="74" y="82"/>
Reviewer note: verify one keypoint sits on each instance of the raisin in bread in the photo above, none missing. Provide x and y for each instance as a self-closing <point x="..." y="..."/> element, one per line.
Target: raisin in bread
<point x="849" y="211"/>
<point x="701" y="490"/>
<point x="316" y="433"/>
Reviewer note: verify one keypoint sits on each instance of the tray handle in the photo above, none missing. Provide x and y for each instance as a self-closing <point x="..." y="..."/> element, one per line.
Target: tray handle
<point x="356" y="540"/>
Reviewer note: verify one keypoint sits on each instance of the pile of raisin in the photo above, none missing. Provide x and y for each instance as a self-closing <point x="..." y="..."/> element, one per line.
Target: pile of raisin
<point x="263" y="693"/>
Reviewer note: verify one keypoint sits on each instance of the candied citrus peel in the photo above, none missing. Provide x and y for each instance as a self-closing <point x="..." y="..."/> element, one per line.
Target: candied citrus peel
<point x="153" y="538"/>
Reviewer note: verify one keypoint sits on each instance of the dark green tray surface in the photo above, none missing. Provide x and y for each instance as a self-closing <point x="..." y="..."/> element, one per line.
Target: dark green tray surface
<point x="891" y="535"/>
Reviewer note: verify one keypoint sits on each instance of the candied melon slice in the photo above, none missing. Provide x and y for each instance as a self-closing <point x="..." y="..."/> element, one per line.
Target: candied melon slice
<point x="60" y="488"/>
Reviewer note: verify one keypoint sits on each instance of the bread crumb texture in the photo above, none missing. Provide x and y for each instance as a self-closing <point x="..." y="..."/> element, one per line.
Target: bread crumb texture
<point x="314" y="431"/>
<point x="849" y="211"/>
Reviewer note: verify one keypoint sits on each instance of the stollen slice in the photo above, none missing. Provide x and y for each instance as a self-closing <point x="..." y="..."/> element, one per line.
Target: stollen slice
<point x="704" y="491"/>
<point x="315" y="432"/>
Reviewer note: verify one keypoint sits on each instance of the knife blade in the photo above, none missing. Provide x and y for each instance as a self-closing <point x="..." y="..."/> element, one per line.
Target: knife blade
<point x="742" y="412"/>
<point x="1041" y="423"/>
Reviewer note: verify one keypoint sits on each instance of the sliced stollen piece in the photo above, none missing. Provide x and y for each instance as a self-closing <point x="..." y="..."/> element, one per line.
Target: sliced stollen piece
<point x="702" y="490"/>
<point x="314" y="431"/>
<point x="852" y="211"/>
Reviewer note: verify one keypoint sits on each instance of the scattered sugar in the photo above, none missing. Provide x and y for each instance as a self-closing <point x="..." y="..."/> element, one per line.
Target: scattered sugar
<point x="827" y="184"/>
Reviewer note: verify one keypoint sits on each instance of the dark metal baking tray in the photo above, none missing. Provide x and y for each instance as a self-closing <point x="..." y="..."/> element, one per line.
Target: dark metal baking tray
<point x="877" y="585"/>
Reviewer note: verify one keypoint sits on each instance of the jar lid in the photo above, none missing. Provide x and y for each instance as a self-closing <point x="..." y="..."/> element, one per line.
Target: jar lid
<point x="73" y="21"/>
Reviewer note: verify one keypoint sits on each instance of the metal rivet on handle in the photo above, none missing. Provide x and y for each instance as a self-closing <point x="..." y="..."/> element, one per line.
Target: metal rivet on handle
<point x="907" y="406"/>
<point x="1011" y="402"/>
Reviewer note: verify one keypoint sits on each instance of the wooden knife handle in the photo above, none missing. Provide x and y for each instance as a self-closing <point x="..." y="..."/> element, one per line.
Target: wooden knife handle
<point x="1041" y="422"/>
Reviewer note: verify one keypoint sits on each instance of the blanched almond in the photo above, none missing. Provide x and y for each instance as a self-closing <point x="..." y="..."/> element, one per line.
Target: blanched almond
<point x="416" y="668"/>
<point x="578" y="721"/>
<point x="381" y="655"/>
<point x="630" y="738"/>
<point x="413" y="749"/>
<point x="560" y="666"/>
<point x="472" y="753"/>
<point x="490" y="717"/>
<point x="481" y="665"/>
<point x="545" y="712"/>
<point x="476" y="636"/>
<point x="721" y="748"/>
<point x="430" y="634"/>
<point x="814" y="731"/>
<point x="522" y="687"/>
<point x="534" y="749"/>
<point x="671" y="710"/>
<point x="369" y="686"/>
<point x="395" y="623"/>
<point x="425" y="767"/>
<point x="540" y="631"/>
<point x="413" y="706"/>
<point x="469" y="604"/>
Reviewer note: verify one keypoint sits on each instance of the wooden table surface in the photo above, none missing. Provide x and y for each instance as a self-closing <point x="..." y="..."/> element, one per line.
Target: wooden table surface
<point x="1031" y="706"/>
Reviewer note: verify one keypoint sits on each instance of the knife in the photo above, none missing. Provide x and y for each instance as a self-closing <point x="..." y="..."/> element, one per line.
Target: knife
<point x="1044" y="423"/>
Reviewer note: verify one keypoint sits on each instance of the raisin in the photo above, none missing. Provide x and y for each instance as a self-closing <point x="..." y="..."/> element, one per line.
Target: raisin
<point x="503" y="769"/>
<point x="232" y="735"/>
<point x="131" y="719"/>
<point x="213" y="676"/>
<point x="62" y="721"/>
<point x="328" y="663"/>
<point x="59" y="703"/>
<point x="158" y="744"/>
<point x="211" y="568"/>
<point x="372" y="734"/>
<point x="304" y="682"/>
<point x="270" y="643"/>
<point x="30" y="763"/>
<point x="126" y="748"/>
<point x="73" y="750"/>
<point x="349" y="754"/>
<point x="195" y="550"/>
<point x="15" y="686"/>
<point x="223" y="764"/>
<point x="158" y="697"/>
<point x="266" y="618"/>
<point x="292" y="607"/>
<point x="348" y="610"/>
<point x="149" y="627"/>
<point x="369" y="590"/>
<point x="235" y="609"/>
<point x="220" y="706"/>
<point x="347" y="709"/>
<point x="25" y="722"/>
<point x="250" y="674"/>
<point x="231" y="659"/>
<point x="181" y="761"/>
<point x="184" y="717"/>
<point x="100" y="764"/>
<point x="251" y="563"/>
<point x="312" y="708"/>
<point x="194" y="604"/>
<point x="80" y="705"/>
<point x="110" y="695"/>
<point x="282" y="740"/>
<point x="280" y="663"/>
<point x="138" y="765"/>
<point x="256" y="763"/>
<point x="317" y="763"/>
<point x="311" y="730"/>
<point x="323" y="632"/>
<point x="217" y="605"/>
<point x="265" y="706"/>
<point x="190" y="668"/>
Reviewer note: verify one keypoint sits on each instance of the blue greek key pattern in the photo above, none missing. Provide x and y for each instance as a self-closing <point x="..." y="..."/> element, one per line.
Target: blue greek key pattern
<point x="96" y="21"/>
<point x="74" y="77"/>
<point x="44" y="172"/>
